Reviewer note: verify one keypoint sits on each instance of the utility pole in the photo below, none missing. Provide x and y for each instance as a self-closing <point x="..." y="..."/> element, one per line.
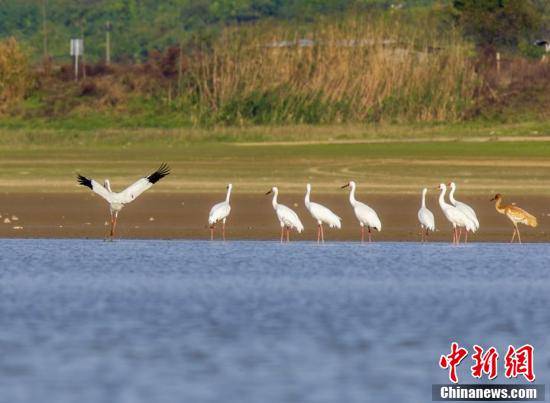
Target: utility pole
<point x="45" y="28"/>
<point x="180" y="67"/>
<point x="81" y="25"/>
<point x="108" y="28"/>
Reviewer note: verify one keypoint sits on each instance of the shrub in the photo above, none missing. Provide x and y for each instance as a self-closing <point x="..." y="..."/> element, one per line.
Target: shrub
<point x="15" y="77"/>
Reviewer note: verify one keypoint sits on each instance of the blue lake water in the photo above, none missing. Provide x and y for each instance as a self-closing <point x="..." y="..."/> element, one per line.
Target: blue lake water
<point x="171" y="321"/>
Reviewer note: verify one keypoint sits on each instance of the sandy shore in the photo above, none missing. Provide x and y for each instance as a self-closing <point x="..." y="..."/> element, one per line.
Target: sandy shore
<point x="180" y="215"/>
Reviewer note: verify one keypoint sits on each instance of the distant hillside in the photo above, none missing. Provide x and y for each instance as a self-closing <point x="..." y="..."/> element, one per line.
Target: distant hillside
<point x="138" y="26"/>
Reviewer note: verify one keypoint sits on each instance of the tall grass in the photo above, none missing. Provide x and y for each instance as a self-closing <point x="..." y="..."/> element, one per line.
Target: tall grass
<point x="389" y="67"/>
<point x="355" y="69"/>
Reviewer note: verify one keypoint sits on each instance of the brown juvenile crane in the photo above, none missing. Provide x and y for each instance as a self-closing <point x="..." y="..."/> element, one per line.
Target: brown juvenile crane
<point x="515" y="214"/>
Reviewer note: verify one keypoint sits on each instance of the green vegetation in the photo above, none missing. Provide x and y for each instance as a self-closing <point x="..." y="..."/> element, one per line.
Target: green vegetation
<point x="23" y="135"/>
<point x="384" y="159"/>
<point x="210" y="64"/>
<point x="397" y="167"/>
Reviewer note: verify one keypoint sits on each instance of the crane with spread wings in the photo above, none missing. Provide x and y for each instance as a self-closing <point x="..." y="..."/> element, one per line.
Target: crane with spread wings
<point x="117" y="200"/>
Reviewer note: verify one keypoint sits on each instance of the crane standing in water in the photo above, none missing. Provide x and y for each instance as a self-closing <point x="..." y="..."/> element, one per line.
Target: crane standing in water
<point x="426" y="218"/>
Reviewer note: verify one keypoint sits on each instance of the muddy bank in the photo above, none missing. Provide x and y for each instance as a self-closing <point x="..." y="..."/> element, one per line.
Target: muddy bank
<point x="179" y="215"/>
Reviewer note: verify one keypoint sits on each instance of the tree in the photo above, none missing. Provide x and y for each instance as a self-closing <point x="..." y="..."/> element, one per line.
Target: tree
<point x="498" y="23"/>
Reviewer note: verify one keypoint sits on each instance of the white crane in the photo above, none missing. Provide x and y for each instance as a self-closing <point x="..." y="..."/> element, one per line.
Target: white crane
<point x="464" y="208"/>
<point x="118" y="200"/>
<point x="322" y="215"/>
<point x="220" y="212"/>
<point x="366" y="215"/>
<point x="287" y="217"/>
<point x="426" y="218"/>
<point x="456" y="217"/>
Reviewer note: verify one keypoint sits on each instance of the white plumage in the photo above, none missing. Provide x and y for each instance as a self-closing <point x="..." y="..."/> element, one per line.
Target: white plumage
<point x="322" y="215"/>
<point x="117" y="200"/>
<point x="288" y="219"/>
<point x="426" y="217"/>
<point x="220" y="212"/>
<point x="456" y="217"/>
<point x="463" y="207"/>
<point x="366" y="215"/>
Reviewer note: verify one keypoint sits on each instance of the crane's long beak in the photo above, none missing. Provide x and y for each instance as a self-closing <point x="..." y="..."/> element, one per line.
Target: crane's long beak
<point x="268" y="192"/>
<point x="345" y="186"/>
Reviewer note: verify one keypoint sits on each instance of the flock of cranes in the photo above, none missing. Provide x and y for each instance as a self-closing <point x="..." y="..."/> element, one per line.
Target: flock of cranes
<point x="461" y="216"/>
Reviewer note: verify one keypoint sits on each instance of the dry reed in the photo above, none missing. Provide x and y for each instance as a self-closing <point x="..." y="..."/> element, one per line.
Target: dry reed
<point x="359" y="69"/>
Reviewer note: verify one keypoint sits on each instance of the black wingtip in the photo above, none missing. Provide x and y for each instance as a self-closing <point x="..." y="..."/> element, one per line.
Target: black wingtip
<point x="84" y="181"/>
<point x="160" y="173"/>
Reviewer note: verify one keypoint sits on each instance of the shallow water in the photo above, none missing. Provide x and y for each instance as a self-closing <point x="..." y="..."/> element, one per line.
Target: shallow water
<point x="170" y="321"/>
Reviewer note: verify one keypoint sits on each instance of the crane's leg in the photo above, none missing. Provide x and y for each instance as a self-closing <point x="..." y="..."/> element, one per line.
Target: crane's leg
<point x="370" y="235"/>
<point x="459" y="235"/>
<point x="421" y="233"/>
<point x="110" y="227"/>
<point x="113" y="226"/>
<point x="212" y="232"/>
<point x="322" y="234"/>
<point x="362" y="233"/>
<point x="287" y="234"/>
<point x="514" y="234"/>
<point x="466" y="236"/>
<point x="519" y="236"/>
<point x="454" y="235"/>
<point x="223" y="230"/>
<point x="318" y="233"/>
<point x="282" y="233"/>
<point x="427" y="234"/>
